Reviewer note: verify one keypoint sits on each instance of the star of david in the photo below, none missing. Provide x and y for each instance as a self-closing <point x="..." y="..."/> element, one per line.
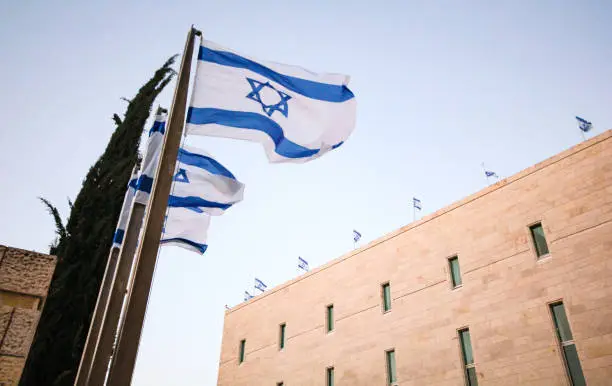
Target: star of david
<point x="255" y="95"/>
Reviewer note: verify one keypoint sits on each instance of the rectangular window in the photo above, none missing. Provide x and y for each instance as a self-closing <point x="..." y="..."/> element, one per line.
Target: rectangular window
<point x="539" y="240"/>
<point x="391" y="372"/>
<point x="453" y="264"/>
<point x="566" y="341"/>
<point x="330" y="376"/>
<point x="468" y="357"/>
<point x="281" y="338"/>
<point x="330" y="318"/>
<point x="280" y="384"/>
<point x="386" y="295"/>
<point x="241" y="354"/>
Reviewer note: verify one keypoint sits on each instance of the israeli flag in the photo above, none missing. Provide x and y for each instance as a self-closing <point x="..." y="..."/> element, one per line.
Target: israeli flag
<point x="125" y="209"/>
<point x="416" y="203"/>
<point x="187" y="229"/>
<point x="260" y="285"/>
<point x="247" y="296"/>
<point x="202" y="184"/>
<point x="489" y="173"/>
<point x="356" y="236"/>
<point x="584" y="125"/>
<point x="297" y="115"/>
<point x="150" y="160"/>
<point x="303" y="264"/>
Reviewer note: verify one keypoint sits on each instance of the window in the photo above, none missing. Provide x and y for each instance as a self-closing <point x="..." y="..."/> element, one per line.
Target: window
<point x="453" y="264"/>
<point x="330" y="376"/>
<point x="280" y="384"/>
<point x="468" y="357"/>
<point x="539" y="240"/>
<point x="386" y="296"/>
<point x="566" y="341"/>
<point x="281" y="336"/>
<point x="241" y="354"/>
<point x="330" y="318"/>
<point x="391" y="372"/>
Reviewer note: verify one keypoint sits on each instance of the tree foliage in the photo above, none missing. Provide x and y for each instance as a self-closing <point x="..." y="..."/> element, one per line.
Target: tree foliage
<point x="83" y="244"/>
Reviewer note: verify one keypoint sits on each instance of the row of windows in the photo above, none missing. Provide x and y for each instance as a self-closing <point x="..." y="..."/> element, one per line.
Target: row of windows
<point x="541" y="248"/>
<point x="564" y="337"/>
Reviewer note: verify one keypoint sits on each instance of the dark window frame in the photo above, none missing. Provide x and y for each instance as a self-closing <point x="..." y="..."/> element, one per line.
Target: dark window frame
<point x="329" y="318"/>
<point x="449" y="262"/>
<point x="534" y="244"/>
<point x="383" y="295"/>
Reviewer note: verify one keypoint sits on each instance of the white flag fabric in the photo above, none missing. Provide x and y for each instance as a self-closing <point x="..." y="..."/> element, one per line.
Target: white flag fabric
<point x="125" y="209"/>
<point x="297" y="115"/>
<point x="186" y="228"/>
<point x="150" y="160"/>
<point x="203" y="184"/>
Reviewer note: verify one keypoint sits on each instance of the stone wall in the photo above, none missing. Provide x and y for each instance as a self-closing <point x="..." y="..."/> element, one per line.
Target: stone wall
<point x="504" y="298"/>
<point x="24" y="282"/>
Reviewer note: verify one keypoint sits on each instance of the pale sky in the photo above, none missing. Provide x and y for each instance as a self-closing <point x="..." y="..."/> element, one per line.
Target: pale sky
<point x="441" y="87"/>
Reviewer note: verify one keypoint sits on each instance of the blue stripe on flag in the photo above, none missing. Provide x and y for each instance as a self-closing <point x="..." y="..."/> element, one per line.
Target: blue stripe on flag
<point x="252" y="121"/>
<point x="200" y="247"/>
<point x="145" y="183"/>
<point x="158" y="126"/>
<point x="194" y="202"/>
<point x="203" y="162"/>
<point x="118" y="238"/>
<point x="133" y="183"/>
<point x="308" y="88"/>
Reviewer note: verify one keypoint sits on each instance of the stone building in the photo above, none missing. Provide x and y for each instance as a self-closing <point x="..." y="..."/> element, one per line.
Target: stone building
<point x="509" y="286"/>
<point x="24" y="282"/>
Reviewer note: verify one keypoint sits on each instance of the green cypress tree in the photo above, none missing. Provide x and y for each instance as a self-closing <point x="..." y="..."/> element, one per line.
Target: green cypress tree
<point x="82" y="246"/>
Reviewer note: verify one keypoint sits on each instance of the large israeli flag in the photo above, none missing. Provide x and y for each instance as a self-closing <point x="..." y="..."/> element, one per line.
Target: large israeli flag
<point x="296" y="114"/>
<point x="124" y="216"/>
<point x="202" y="184"/>
<point x="150" y="160"/>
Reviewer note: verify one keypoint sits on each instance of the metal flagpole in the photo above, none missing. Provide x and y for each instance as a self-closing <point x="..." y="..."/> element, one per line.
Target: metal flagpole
<point x="124" y="357"/>
<point x="106" y="339"/>
<point x="97" y="320"/>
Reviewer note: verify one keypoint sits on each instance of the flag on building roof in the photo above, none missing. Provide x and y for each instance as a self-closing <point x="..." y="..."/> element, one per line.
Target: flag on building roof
<point x="260" y="285"/>
<point x="416" y="203"/>
<point x="489" y="173"/>
<point x="128" y="199"/>
<point x="584" y="125"/>
<point x="247" y="296"/>
<point x="303" y="264"/>
<point x="297" y="115"/>
<point x="356" y="236"/>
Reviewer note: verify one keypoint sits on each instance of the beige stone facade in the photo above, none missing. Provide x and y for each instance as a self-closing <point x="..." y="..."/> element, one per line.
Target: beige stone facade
<point x="24" y="282"/>
<point x="504" y="299"/>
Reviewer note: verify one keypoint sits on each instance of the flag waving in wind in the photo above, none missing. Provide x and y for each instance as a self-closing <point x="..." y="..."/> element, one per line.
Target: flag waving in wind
<point x="297" y="115"/>
<point x="356" y="236"/>
<point x="151" y="158"/>
<point x="489" y="173"/>
<point x="416" y="203"/>
<point x="303" y="264"/>
<point x="247" y="296"/>
<point x="125" y="209"/>
<point x="584" y="125"/>
<point x="260" y="285"/>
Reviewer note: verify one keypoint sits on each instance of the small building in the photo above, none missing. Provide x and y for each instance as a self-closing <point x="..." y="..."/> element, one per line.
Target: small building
<point x="509" y="286"/>
<point x="25" y="277"/>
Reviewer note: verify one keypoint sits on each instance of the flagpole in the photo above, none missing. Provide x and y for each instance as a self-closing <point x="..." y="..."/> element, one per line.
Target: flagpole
<point x="484" y="170"/>
<point x="100" y="311"/>
<point x="124" y="357"/>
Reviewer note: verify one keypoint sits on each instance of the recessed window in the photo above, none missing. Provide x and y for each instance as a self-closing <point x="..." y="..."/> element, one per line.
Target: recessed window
<point x="241" y="353"/>
<point x="329" y="318"/>
<point x="281" y="336"/>
<point x="386" y="297"/>
<point x="391" y="371"/>
<point x="455" y="273"/>
<point x="468" y="357"/>
<point x="329" y="376"/>
<point x="539" y="240"/>
<point x="280" y="384"/>
<point x="568" y="347"/>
